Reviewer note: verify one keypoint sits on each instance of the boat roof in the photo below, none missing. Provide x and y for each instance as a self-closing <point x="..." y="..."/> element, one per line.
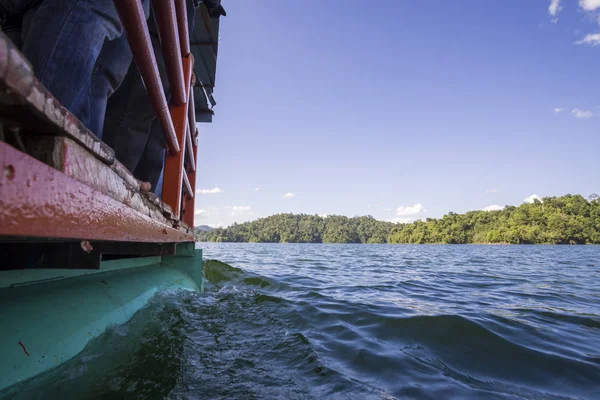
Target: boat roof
<point x="204" y="42"/>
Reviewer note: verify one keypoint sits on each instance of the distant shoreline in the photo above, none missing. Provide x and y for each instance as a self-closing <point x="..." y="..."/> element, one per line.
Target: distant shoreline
<point x="423" y="244"/>
<point x="568" y="219"/>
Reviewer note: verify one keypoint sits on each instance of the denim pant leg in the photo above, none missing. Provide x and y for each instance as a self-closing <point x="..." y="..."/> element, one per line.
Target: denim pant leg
<point x="150" y="167"/>
<point x="158" y="189"/>
<point x="129" y="115"/>
<point x="63" y="44"/>
<point x="13" y="32"/>
<point x="112" y="65"/>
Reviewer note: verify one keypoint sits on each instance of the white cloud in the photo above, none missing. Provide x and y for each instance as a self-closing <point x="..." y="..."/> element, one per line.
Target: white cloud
<point x="209" y="191"/>
<point x="558" y="110"/>
<point x="593" y="39"/>
<point x="323" y="215"/>
<point x="387" y="209"/>
<point x="401" y="220"/>
<point x="589" y="5"/>
<point x="581" y="114"/>
<point x="493" y="207"/>
<point x="492" y="190"/>
<point x="403" y="211"/>
<point x="554" y="8"/>
<point x="240" y="211"/>
<point x="257" y="189"/>
<point x="289" y="195"/>
<point x="200" y="214"/>
<point x="532" y="198"/>
<point x="219" y="225"/>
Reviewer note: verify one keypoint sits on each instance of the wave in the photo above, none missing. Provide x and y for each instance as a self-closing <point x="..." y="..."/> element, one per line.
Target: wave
<point x="290" y="335"/>
<point x="459" y="350"/>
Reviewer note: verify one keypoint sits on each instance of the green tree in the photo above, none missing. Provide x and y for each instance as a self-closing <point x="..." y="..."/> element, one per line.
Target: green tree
<point x="568" y="219"/>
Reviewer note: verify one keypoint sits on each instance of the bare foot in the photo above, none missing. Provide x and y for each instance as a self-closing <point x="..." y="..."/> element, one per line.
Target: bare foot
<point x="145" y="187"/>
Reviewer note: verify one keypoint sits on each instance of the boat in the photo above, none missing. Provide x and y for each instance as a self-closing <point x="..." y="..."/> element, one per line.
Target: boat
<point x="83" y="248"/>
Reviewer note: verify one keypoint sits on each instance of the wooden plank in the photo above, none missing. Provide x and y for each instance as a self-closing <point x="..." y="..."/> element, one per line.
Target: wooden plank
<point x="27" y="104"/>
<point x="74" y="161"/>
<point x="38" y="201"/>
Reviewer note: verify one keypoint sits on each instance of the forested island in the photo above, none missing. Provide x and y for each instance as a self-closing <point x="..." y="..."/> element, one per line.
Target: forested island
<point x="569" y="219"/>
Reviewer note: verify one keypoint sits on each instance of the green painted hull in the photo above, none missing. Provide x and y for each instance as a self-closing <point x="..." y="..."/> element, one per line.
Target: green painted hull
<point x="49" y="316"/>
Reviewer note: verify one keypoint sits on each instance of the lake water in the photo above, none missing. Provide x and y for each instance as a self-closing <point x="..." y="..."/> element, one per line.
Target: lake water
<point x="359" y="322"/>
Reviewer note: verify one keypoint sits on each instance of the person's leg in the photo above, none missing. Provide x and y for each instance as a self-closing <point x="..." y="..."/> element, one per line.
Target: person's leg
<point x="150" y="166"/>
<point x="12" y="13"/>
<point x="114" y="60"/>
<point x="63" y="43"/>
<point x="128" y="119"/>
<point x="131" y="127"/>
<point x="158" y="189"/>
<point x="131" y="123"/>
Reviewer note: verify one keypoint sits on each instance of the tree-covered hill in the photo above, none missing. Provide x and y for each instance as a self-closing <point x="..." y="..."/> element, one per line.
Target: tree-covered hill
<point x="569" y="219"/>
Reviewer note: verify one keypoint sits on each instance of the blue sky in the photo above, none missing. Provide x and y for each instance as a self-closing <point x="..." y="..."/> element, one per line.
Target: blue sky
<point x="400" y="109"/>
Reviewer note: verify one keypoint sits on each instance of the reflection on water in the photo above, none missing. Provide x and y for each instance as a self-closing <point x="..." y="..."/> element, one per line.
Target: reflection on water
<point x="357" y="321"/>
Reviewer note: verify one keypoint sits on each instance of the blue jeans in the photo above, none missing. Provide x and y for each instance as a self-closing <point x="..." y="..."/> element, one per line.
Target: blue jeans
<point x="78" y="51"/>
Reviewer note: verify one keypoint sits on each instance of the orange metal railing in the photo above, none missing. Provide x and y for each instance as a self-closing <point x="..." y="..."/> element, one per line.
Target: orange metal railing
<point x="177" y="117"/>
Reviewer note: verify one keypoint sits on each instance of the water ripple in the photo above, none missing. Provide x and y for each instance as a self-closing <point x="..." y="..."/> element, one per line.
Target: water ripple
<point x="357" y="321"/>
